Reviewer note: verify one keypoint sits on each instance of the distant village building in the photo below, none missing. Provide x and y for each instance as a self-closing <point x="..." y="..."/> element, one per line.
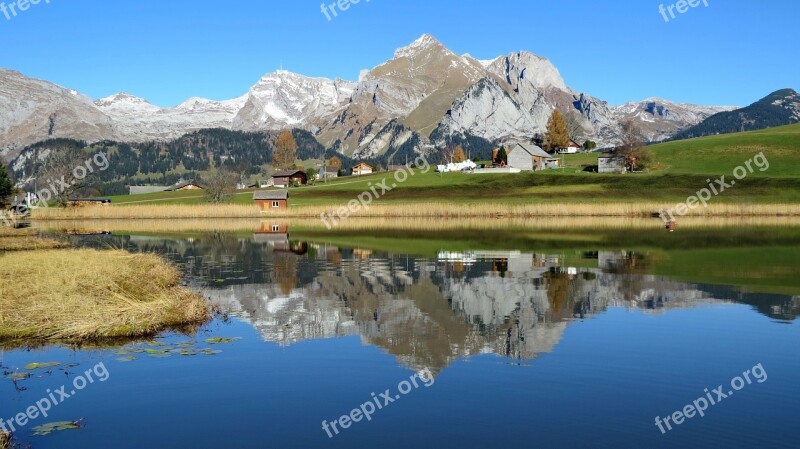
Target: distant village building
<point x="529" y="157"/>
<point x="185" y="185"/>
<point x="245" y="186"/>
<point x="288" y="178"/>
<point x="362" y="169"/>
<point x="611" y="163"/>
<point x="572" y="148"/>
<point x="330" y="173"/>
<point x="268" y="200"/>
<point x="142" y="190"/>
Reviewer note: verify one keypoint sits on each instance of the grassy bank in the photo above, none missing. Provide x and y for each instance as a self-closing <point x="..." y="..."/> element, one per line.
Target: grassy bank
<point x="5" y="440"/>
<point x="73" y="295"/>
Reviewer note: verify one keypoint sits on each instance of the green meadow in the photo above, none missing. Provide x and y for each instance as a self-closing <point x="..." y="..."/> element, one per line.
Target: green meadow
<point x="681" y="168"/>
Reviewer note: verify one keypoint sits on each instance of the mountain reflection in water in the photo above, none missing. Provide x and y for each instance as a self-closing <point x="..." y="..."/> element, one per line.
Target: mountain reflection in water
<point x="427" y="312"/>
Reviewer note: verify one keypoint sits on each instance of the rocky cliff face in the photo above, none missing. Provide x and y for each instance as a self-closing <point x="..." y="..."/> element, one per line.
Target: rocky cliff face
<point x="423" y="88"/>
<point x="661" y="119"/>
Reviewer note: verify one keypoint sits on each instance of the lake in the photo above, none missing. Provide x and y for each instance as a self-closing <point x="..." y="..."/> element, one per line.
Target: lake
<point x="556" y="335"/>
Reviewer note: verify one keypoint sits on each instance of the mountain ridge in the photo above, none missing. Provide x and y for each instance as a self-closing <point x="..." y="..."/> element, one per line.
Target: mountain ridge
<point x="425" y="93"/>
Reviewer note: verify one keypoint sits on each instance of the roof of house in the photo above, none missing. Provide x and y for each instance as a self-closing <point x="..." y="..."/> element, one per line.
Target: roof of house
<point x="532" y="149"/>
<point x="287" y="173"/>
<point x="182" y="185"/>
<point x="362" y="166"/>
<point x="332" y="169"/>
<point x="271" y="195"/>
<point x="609" y="156"/>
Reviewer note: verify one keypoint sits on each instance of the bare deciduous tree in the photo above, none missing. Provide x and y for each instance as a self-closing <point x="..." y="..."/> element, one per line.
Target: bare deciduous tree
<point x="62" y="173"/>
<point x="220" y="185"/>
<point x="632" y="149"/>
<point x="575" y="125"/>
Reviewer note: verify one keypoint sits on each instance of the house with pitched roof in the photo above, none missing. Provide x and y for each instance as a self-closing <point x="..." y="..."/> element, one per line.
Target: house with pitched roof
<point x="529" y="157"/>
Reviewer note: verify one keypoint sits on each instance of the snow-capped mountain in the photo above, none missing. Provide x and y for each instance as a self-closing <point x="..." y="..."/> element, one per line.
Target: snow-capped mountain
<point x="284" y="99"/>
<point x="425" y="95"/>
<point x="135" y="119"/>
<point x="32" y="110"/>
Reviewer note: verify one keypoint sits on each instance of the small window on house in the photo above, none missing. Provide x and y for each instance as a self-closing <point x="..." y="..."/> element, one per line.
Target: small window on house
<point x="276" y="228"/>
<point x="276" y="204"/>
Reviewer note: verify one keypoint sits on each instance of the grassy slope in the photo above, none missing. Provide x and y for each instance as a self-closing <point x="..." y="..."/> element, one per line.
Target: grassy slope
<point x="683" y="169"/>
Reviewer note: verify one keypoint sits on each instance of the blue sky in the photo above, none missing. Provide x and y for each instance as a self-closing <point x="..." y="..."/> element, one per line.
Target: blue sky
<point x="730" y="52"/>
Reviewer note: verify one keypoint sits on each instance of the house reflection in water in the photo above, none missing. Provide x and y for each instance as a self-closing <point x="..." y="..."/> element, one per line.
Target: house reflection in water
<point x="276" y="234"/>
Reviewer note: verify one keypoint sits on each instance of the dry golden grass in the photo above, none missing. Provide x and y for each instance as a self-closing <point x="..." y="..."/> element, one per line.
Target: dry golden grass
<point x="25" y="239"/>
<point x="171" y="227"/>
<point x="78" y="294"/>
<point x="415" y="210"/>
<point x="5" y="440"/>
<point x="7" y="231"/>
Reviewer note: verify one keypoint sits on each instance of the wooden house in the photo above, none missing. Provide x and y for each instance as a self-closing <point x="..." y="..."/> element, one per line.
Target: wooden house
<point x="530" y="157"/>
<point x="611" y="163"/>
<point x="271" y="200"/>
<point x="362" y="169"/>
<point x="288" y="178"/>
<point x="185" y="185"/>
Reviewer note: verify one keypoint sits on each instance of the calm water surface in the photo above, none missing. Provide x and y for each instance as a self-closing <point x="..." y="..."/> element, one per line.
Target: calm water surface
<point x="555" y="346"/>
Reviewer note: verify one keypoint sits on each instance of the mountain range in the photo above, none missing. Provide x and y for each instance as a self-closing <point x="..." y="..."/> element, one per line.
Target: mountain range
<point x="423" y="97"/>
<point x="779" y="108"/>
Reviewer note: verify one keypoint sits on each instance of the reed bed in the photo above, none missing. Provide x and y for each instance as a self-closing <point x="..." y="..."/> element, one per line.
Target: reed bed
<point x="414" y="210"/>
<point x="553" y="224"/>
<point x="76" y="295"/>
<point x="5" y="440"/>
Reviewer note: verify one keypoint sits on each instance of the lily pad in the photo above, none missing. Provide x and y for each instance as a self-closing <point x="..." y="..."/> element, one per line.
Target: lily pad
<point x="19" y="376"/>
<point x="129" y="358"/>
<point x="34" y="366"/>
<point x="211" y="351"/>
<point x="221" y="341"/>
<point x="156" y="351"/>
<point x="47" y="429"/>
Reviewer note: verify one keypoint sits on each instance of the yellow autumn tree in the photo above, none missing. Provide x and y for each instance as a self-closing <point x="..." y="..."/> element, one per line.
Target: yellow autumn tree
<point x="285" y="151"/>
<point x="459" y="155"/>
<point x="557" y="137"/>
<point x="335" y="162"/>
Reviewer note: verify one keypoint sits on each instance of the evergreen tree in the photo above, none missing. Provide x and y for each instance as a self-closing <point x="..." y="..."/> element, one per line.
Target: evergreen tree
<point x="502" y="156"/>
<point x="6" y="187"/>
